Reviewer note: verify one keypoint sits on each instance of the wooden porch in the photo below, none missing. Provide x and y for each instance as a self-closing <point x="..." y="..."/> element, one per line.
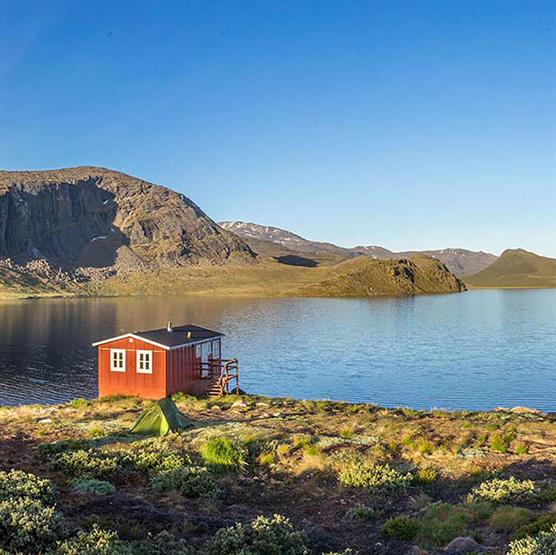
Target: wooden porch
<point x="223" y="376"/>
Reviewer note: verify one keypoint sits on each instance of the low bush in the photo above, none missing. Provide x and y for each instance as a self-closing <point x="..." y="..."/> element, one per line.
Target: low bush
<point x="272" y="536"/>
<point x="503" y="490"/>
<point x="509" y="519"/>
<point x="223" y="454"/>
<point x="86" y="463"/>
<point x="92" y="486"/>
<point x="443" y="522"/>
<point x="28" y="526"/>
<point x="93" y="542"/>
<point x="191" y="481"/>
<point x="163" y="543"/>
<point x="364" y="512"/>
<point x="401" y="528"/>
<point x="157" y="461"/>
<point x="542" y="523"/>
<point x="17" y="484"/>
<point x="372" y="477"/>
<point x="544" y="543"/>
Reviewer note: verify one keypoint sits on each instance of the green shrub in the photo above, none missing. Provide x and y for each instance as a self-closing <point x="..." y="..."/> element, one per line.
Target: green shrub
<point x="364" y="512"/>
<point x="78" y="403"/>
<point x="443" y="522"/>
<point x="372" y="477"/>
<point x="509" y="519"/>
<point x="222" y="454"/>
<point x="191" y="481"/>
<point x="92" y="486"/>
<point x="503" y="490"/>
<point x="86" y="463"/>
<point x="427" y="475"/>
<point x="163" y="543"/>
<point x="157" y="461"/>
<point x="16" y="483"/>
<point x="499" y="443"/>
<point x="28" y="526"/>
<point x="544" y="543"/>
<point x="93" y="542"/>
<point x="542" y="523"/>
<point x="50" y="450"/>
<point x="272" y="536"/>
<point x="401" y="528"/>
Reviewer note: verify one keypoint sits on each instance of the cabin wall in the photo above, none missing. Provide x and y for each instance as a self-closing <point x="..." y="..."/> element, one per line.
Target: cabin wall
<point x="183" y="367"/>
<point x="150" y="386"/>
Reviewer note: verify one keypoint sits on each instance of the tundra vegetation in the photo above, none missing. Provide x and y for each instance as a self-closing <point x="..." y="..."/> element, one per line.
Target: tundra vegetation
<point x="259" y="476"/>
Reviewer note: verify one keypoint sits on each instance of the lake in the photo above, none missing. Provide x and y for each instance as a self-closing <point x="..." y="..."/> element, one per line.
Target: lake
<point x="475" y="350"/>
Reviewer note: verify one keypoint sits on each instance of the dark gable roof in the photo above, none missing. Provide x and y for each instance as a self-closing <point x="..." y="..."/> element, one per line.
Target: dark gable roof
<point x="171" y="339"/>
<point x="178" y="335"/>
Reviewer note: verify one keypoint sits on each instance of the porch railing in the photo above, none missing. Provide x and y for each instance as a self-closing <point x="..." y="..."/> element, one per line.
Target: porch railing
<point x="223" y="374"/>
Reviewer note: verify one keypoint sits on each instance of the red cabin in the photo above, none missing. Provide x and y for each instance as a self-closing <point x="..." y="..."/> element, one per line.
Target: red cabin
<point x="157" y="363"/>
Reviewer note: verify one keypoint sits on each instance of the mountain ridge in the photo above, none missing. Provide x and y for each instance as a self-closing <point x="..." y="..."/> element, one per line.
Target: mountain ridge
<point x="459" y="261"/>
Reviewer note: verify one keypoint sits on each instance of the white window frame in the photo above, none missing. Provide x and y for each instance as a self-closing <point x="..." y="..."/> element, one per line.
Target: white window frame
<point x="117" y="367"/>
<point x="216" y="349"/>
<point x="198" y="350"/>
<point x="147" y="362"/>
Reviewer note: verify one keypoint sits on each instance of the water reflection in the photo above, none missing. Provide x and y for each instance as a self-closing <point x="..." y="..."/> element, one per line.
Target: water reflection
<point x="475" y="350"/>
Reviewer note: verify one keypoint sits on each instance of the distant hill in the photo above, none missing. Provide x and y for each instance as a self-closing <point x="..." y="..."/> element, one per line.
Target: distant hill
<point x="93" y="217"/>
<point x="362" y="277"/>
<point x="516" y="268"/>
<point x="276" y="242"/>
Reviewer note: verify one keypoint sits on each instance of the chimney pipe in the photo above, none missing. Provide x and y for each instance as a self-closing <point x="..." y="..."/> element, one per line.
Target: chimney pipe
<point x="169" y="328"/>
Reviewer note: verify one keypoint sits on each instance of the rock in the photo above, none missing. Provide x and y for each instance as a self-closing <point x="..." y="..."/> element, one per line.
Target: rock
<point x="239" y="405"/>
<point x="464" y="545"/>
<point x="88" y="216"/>
<point x="525" y="410"/>
<point x="45" y="421"/>
<point x="261" y="404"/>
<point x="416" y="550"/>
<point x="216" y="408"/>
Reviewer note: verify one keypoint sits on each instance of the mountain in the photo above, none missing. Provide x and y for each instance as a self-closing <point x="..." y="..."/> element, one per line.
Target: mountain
<point x="264" y="240"/>
<point x="517" y="268"/>
<point x="362" y="277"/>
<point x="94" y="217"/>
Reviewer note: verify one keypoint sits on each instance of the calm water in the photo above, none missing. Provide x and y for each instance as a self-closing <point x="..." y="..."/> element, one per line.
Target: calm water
<point x="475" y="350"/>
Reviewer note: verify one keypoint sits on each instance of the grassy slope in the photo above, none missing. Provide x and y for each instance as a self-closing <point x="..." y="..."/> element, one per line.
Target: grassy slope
<point x="516" y="268"/>
<point x="265" y="279"/>
<point x="293" y="461"/>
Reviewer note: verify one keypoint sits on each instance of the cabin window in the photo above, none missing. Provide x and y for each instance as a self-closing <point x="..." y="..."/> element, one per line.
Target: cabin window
<point x="117" y="360"/>
<point x="198" y="351"/>
<point x="216" y="349"/>
<point x="144" y="362"/>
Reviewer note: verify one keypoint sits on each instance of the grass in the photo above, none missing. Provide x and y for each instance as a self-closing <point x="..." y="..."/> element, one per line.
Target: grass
<point x="344" y="473"/>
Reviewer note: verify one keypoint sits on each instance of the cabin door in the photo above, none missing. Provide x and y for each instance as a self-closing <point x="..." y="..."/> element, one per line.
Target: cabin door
<point x="205" y="351"/>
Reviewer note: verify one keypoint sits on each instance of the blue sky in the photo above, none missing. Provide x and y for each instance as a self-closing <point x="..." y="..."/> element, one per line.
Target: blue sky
<point x="412" y="124"/>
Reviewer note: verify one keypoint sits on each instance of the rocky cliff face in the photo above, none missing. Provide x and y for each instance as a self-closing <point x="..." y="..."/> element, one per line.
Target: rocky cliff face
<point x="93" y="217"/>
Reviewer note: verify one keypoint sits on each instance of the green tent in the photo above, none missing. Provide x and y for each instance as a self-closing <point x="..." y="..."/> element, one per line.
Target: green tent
<point x="160" y="418"/>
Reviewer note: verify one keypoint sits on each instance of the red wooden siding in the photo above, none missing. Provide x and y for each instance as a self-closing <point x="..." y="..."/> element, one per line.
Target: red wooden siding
<point x="172" y="370"/>
<point x="130" y="382"/>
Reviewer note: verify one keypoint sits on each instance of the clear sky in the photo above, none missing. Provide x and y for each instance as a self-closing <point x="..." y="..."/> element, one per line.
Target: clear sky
<point x="412" y="124"/>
